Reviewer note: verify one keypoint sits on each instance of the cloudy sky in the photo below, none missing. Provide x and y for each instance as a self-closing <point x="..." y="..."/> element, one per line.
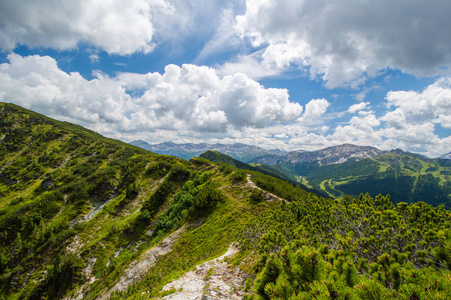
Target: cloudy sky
<point x="288" y="74"/>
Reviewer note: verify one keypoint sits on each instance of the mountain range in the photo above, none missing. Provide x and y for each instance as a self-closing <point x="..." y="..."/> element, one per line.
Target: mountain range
<point x="332" y="155"/>
<point x="249" y="153"/>
<point x="340" y="170"/>
<point x="241" y="152"/>
<point x="446" y="156"/>
<point x="349" y="169"/>
<point x="87" y="217"/>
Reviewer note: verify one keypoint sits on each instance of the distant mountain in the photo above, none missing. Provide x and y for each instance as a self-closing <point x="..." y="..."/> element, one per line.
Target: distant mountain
<point x="241" y="152"/>
<point x="332" y="155"/>
<point x="349" y="169"/>
<point x="446" y="156"/>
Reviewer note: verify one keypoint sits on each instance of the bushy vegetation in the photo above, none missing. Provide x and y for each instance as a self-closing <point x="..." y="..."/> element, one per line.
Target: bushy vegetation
<point x="360" y="248"/>
<point x="52" y="174"/>
<point x="76" y="210"/>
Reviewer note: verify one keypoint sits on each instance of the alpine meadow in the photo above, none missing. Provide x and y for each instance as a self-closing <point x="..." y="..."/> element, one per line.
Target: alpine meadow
<point x="225" y="149"/>
<point x="82" y="215"/>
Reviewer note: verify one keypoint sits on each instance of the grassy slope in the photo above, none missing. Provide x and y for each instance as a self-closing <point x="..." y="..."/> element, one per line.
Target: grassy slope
<point x="54" y="174"/>
<point x="52" y="177"/>
<point x="218" y="157"/>
<point x="406" y="177"/>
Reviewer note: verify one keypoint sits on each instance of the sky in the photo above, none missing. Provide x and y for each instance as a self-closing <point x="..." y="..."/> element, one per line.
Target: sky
<point x="287" y="74"/>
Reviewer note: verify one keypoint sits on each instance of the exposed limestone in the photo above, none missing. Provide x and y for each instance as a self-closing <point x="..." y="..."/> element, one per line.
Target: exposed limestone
<point x="138" y="269"/>
<point x="213" y="279"/>
<point x="87" y="272"/>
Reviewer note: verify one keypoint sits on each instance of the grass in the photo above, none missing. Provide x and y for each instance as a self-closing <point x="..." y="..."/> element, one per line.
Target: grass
<point x="93" y="163"/>
<point x="201" y="243"/>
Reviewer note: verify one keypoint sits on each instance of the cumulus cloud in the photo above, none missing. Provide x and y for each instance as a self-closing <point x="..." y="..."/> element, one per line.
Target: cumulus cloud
<point x="182" y="98"/>
<point x="431" y="105"/>
<point x="314" y="110"/>
<point x="37" y="83"/>
<point x="251" y="65"/>
<point x="357" y="107"/>
<point x="345" y="44"/>
<point x="360" y="130"/>
<point x="191" y="103"/>
<point x="409" y="123"/>
<point x="116" y="26"/>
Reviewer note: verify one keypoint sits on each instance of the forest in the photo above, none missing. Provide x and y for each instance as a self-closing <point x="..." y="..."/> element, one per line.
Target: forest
<point x="405" y="176"/>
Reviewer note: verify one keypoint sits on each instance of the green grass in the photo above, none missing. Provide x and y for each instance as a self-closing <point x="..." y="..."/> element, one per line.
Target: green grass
<point x="38" y="231"/>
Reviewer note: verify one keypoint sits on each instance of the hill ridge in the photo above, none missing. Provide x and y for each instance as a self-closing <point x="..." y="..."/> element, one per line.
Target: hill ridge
<point x="190" y="212"/>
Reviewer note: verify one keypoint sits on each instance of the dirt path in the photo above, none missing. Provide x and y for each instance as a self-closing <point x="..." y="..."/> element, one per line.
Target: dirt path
<point x="213" y="279"/>
<point x="266" y="195"/>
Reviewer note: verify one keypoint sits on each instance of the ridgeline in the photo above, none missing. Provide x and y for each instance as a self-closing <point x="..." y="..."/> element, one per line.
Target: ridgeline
<point x="86" y="217"/>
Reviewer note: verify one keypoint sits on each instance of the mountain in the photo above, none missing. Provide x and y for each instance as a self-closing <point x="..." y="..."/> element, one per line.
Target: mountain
<point x="218" y="157"/>
<point x="86" y="217"/>
<point x="332" y="155"/>
<point x="349" y="169"/>
<point x="241" y="152"/>
<point x="446" y="156"/>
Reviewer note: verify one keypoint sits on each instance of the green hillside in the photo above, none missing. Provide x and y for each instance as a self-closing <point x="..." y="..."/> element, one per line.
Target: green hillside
<point x="220" y="158"/>
<point x="406" y="177"/>
<point x="86" y="217"/>
<point x="216" y="156"/>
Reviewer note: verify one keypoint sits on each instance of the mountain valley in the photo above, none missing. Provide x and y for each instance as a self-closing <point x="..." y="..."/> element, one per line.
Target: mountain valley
<point x="87" y="217"/>
<point x="347" y="170"/>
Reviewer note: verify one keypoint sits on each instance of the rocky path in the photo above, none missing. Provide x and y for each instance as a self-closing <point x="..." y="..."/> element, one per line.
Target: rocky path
<point x="213" y="279"/>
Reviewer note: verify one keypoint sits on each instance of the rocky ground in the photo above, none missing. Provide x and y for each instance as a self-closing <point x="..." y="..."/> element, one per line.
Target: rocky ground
<point x="214" y="279"/>
<point x="136" y="271"/>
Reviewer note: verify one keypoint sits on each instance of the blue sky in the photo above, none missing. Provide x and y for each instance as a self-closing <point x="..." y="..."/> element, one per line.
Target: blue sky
<point x="285" y="74"/>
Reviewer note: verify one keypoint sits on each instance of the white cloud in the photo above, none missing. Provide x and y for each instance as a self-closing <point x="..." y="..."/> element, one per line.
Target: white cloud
<point x="187" y="98"/>
<point x="195" y="104"/>
<point x="198" y="93"/>
<point x="251" y="65"/>
<point x="431" y="105"/>
<point x="94" y="58"/>
<point x="401" y="127"/>
<point x="37" y="83"/>
<point x="357" y="107"/>
<point x="346" y="43"/>
<point x="361" y="130"/>
<point x="116" y="26"/>
<point x="314" y="110"/>
<point x="224" y="39"/>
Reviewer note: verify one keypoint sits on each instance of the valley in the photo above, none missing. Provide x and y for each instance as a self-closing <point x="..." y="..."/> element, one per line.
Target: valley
<point x="350" y="170"/>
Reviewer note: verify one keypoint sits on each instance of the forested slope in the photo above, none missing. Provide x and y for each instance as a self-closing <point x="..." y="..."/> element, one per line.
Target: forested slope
<point x="220" y="158"/>
<point x="405" y="176"/>
<point x="85" y="217"/>
<point x="77" y="209"/>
